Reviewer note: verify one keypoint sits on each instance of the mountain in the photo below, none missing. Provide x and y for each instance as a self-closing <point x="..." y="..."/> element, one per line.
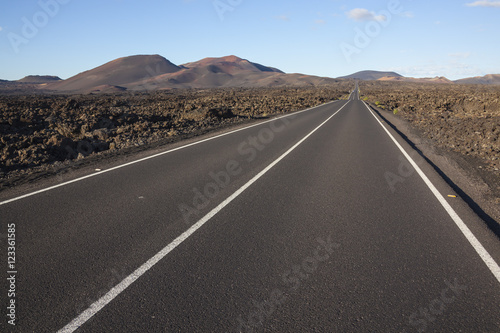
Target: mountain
<point x="437" y="79"/>
<point x="230" y="65"/>
<point x="487" y="79"/>
<point x="116" y="73"/>
<point x="153" y="72"/>
<point x="230" y="71"/>
<point x="370" y="75"/>
<point x="39" y="79"/>
<point x="209" y="72"/>
<point x="392" y="76"/>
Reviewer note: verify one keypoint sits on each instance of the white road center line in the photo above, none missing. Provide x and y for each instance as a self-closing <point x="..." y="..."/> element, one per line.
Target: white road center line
<point x="485" y="256"/>
<point x="125" y="283"/>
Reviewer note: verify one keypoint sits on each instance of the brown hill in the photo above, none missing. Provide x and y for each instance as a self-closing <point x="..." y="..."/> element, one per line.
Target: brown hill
<point x="227" y="71"/>
<point x="118" y="72"/>
<point x="437" y="79"/>
<point x="153" y="72"/>
<point x="230" y="71"/>
<point x="487" y="79"/>
<point x="230" y="65"/>
<point x="39" y="79"/>
<point x="370" y="75"/>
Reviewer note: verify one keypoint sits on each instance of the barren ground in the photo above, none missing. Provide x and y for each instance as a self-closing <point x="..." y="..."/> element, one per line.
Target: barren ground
<point x="42" y="134"/>
<point x="456" y="126"/>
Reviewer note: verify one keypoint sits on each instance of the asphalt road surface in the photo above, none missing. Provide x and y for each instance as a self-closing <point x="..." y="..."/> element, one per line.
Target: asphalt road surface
<point x="313" y="222"/>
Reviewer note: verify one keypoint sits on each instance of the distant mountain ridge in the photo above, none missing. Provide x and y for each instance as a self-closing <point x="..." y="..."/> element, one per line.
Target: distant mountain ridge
<point x="393" y="76"/>
<point x="370" y="75"/>
<point x="486" y="79"/>
<point x="437" y="79"/>
<point x="39" y="79"/>
<point x="154" y="72"/>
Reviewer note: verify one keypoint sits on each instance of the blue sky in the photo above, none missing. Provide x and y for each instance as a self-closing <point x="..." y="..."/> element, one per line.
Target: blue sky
<point x="331" y="38"/>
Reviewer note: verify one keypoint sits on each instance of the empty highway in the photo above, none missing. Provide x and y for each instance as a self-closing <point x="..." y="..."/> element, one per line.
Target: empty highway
<point x="322" y="220"/>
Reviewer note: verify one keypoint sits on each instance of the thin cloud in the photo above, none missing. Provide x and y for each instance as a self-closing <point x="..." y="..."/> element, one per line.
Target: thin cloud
<point x="362" y="14"/>
<point x="484" y="3"/>
<point x="1" y="28"/>
<point x="319" y="22"/>
<point x="452" y="70"/>
<point x="285" y="18"/>
<point x="460" y="55"/>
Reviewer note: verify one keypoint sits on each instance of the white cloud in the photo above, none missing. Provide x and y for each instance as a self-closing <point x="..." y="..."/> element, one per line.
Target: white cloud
<point x="1" y="28"/>
<point x="362" y="14"/>
<point x="319" y="22"/>
<point x="484" y="3"/>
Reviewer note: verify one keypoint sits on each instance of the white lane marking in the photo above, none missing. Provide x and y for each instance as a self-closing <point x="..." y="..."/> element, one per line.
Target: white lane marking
<point x="125" y="283"/>
<point x="483" y="253"/>
<point x="155" y="155"/>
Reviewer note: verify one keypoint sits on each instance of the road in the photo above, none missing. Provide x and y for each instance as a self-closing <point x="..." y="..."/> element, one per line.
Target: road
<point x="312" y="222"/>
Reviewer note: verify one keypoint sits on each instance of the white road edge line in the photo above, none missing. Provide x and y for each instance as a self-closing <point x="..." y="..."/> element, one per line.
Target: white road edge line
<point x="156" y="155"/>
<point x="483" y="253"/>
<point x="125" y="283"/>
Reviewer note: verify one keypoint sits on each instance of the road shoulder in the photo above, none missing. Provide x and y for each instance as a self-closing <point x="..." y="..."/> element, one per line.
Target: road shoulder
<point x="477" y="187"/>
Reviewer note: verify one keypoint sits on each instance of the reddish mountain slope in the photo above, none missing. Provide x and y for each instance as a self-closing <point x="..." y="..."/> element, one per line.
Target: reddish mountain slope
<point x="118" y="72"/>
<point x="153" y="72"/>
